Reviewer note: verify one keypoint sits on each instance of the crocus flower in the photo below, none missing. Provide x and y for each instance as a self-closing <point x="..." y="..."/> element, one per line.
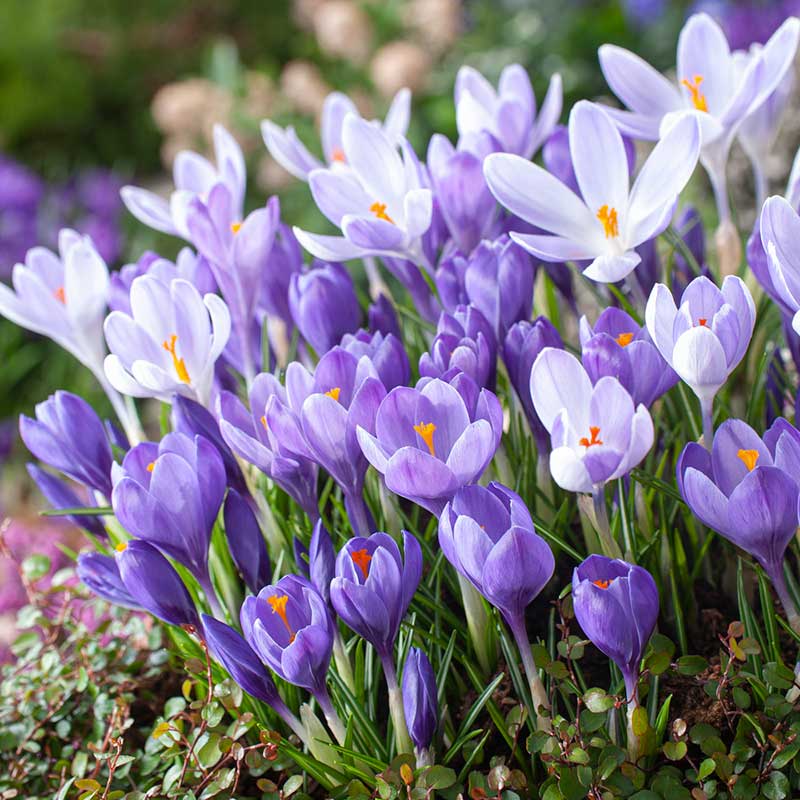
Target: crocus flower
<point x="169" y="343"/>
<point x="710" y="89"/>
<point x="68" y="435"/>
<point x="597" y="433"/>
<point x="430" y="441"/>
<point x="385" y="351"/>
<point x="379" y="203"/>
<point x="194" y="176"/>
<point x="382" y="318"/>
<point x="468" y="322"/>
<point x="250" y="437"/>
<point x="154" y="584"/>
<point x="616" y="605"/>
<point x="285" y="260"/>
<point x="706" y="337"/>
<point x="420" y="703"/>
<point x="321" y="561"/>
<point x="747" y="490"/>
<point x="450" y="354"/>
<point x="169" y="494"/>
<point x="287" y="149"/>
<point x="523" y="343"/>
<point x="100" y="574"/>
<point x="618" y="346"/>
<point x="507" y="113"/>
<point x="324" y="305"/>
<point x="246" y="542"/>
<point x="610" y="219"/>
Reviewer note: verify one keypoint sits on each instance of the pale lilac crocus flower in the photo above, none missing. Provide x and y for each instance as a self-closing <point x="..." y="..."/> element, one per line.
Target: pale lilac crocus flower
<point x="379" y="203"/>
<point x="169" y="343"/>
<point x="507" y="113"/>
<point x="287" y="149"/>
<point x="194" y="176"/>
<point x="709" y="88"/>
<point x="611" y="218"/>
<point x="705" y="337"/>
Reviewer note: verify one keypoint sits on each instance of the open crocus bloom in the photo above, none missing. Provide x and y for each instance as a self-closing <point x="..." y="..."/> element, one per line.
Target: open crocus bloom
<point x="779" y="272"/>
<point x="611" y="219"/>
<point x="379" y="203"/>
<point x="596" y="433"/>
<point x="169" y="343"/>
<point x="704" y="338"/>
<point x="746" y="489"/>
<point x="508" y="113"/>
<point x="194" y="176"/>
<point x="287" y="149"/>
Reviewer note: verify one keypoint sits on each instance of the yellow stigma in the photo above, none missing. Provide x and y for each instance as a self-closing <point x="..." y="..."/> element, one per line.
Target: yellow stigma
<point x="608" y="216"/>
<point x="361" y="559"/>
<point x="60" y="295"/>
<point x="151" y="466"/>
<point x="338" y="155"/>
<point x="698" y="98"/>
<point x="749" y="457"/>
<point x="334" y="393"/>
<point x="264" y="423"/>
<point x="121" y="547"/>
<point x="178" y="363"/>
<point x="425" y="430"/>
<point x="278" y="605"/>
<point x="379" y="210"/>
<point x="236" y="227"/>
<point x="624" y="339"/>
<point x="594" y="432"/>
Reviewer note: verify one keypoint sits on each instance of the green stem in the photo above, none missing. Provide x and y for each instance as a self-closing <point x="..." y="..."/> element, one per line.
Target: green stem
<point x="539" y="698"/>
<point x="480" y="631"/>
<point x="401" y="738"/>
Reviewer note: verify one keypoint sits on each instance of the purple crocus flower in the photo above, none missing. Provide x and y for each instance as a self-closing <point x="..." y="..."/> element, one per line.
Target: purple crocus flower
<point x="169" y="343"/>
<point x="194" y="176"/>
<point x="382" y="318"/>
<point x="287" y="149"/>
<point x="385" y="351"/>
<point x="597" y="433"/>
<point x="246" y="542"/>
<point x="620" y="347"/>
<point x="706" y="337"/>
<point x="430" y="441"/>
<point x="710" y="89"/>
<point x="321" y="561"/>
<point x="285" y="260"/>
<point x="450" y="354"/>
<point x="169" y="494"/>
<point x="524" y="341"/>
<point x="154" y="584"/>
<point x="488" y="535"/>
<point x="616" y="605"/>
<point x="746" y="489"/>
<point x="610" y="219"/>
<point x="248" y="434"/>
<point x="420" y="703"/>
<point x="507" y="113"/>
<point x="380" y="202"/>
<point x="468" y="322"/>
<point x="68" y="435"/>
<point x="324" y="305"/>
<point x="100" y="574"/>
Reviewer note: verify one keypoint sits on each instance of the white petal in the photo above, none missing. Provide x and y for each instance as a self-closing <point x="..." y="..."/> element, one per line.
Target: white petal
<point x="418" y="209"/>
<point x="553" y="248"/>
<point x="612" y="268"/>
<point x="328" y="248"/>
<point x="559" y="381"/>
<point x="568" y="470"/>
<point x="148" y="208"/>
<point x="660" y="316"/>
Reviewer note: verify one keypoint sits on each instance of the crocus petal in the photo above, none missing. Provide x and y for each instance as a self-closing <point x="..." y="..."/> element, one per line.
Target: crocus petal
<point x="558" y="381"/>
<point x="699" y="359"/>
<point x="149" y="208"/>
<point x="328" y="248"/>
<point x="568" y="470"/>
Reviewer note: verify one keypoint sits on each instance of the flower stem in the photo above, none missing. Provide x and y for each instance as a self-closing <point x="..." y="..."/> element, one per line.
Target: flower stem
<point x="331" y="717"/>
<point x="610" y="547"/>
<point x="539" y="697"/>
<point x="480" y="631"/>
<point x="634" y="745"/>
<point x="424" y="758"/>
<point x="285" y="713"/>
<point x="124" y="409"/>
<point x="707" y="413"/>
<point x="359" y="514"/>
<point x="759" y="181"/>
<point x="401" y="738"/>
<point x="211" y="596"/>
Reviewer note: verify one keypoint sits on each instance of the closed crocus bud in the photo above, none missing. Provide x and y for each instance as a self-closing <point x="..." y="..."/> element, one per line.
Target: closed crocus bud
<point x="382" y="318"/>
<point x="420" y="703"/>
<point x="68" y="435"/>
<point x="154" y="584"/>
<point x="450" y="354"/>
<point x="746" y="489"/>
<point x="245" y="542"/>
<point x="385" y="351"/>
<point x="468" y="322"/>
<point x="523" y="343"/>
<point x="450" y="277"/>
<point x="101" y="574"/>
<point x="321" y="561"/>
<point x="616" y="605"/>
<point x="324" y="305"/>
<point x="285" y="260"/>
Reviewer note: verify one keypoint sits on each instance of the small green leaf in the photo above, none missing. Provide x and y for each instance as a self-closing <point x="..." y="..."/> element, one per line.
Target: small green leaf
<point x="675" y="751"/>
<point x="639" y="721"/>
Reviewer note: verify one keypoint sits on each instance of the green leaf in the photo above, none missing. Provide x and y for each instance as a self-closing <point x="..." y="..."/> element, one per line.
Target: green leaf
<point x="691" y="665"/>
<point x="640" y="722"/>
<point x="35" y="567"/>
<point x="675" y="751"/>
<point x="597" y="700"/>
<point x="439" y="777"/>
<point x="706" y="768"/>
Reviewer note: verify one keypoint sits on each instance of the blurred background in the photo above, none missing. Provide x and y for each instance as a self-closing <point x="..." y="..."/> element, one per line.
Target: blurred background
<point x="98" y="93"/>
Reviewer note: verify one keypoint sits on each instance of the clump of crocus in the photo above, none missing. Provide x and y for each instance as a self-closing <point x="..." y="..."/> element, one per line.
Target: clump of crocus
<point x="616" y="605"/>
<point x="371" y="592"/>
<point x="488" y="535"/>
<point x="705" y="337"/>
<point x="420" y="704"/>
<point x="746" y="489"/>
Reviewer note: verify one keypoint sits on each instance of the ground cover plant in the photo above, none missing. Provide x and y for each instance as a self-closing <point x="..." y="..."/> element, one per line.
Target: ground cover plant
<point x="493" y="496"/>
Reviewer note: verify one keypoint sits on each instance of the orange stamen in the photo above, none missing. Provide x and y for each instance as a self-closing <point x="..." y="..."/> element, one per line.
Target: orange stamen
<point x="702" y="321"/>
<point x="121" y="547"/>
<point x="379" y="210"/>
<point x="594" y="431"/>
<point x="425" y="430"/>
<point x="749" y="457"/>
<point x="698" y="98"/>
<point x="178" y="363"/>
<point x="338" y="155"/>
<point x="278" y="605"/>
<point x="60" y="295"/>
<point x="264" y="423"/>
<point x="151" y="466"/>
<point x="602" y="583"/>
<point x="608" y="216"/>
<point x="361" y="559"/>
<point x="236" y="227"/>
<point x="334" y="393"/>
<point x="624" y="339"/>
